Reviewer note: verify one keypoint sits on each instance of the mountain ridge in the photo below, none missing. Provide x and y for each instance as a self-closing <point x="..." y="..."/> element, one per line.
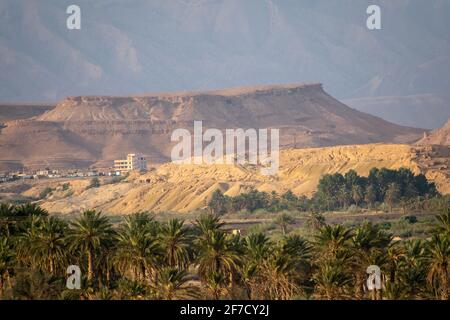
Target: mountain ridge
<point x="103" y="128"/>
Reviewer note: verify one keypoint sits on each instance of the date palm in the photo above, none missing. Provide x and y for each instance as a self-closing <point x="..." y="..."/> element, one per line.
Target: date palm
<point x="89" y="233"/>
<point x="6" y="261"/>
<point x="275" y="279"/>
<point x="207" y="223"/>
<point x="6" y="217"/>
<point x="217" y="256"/>
<point x="29" y="209"/>
<point x="25" y="240"/>
<point x="395" y="291"/>
<point x="12" y="217"/>
<point x="257" y="247"/>
<point x="331" y="280"/>
<point x="216" y="285"/>
<point x="298" y="253"/>
<point x="49" y="246"/>
<point x="444" y="222"/>
<point x="394" y="255"/>
<point x="412" y="267"/>
<point x="137" y="246"/>
<point x="438" y="259"/>
<point x="175" y="241"/>
<point x="172" y="284"/>
<point x="367" y="246"/>
<point x="331" y="239"/>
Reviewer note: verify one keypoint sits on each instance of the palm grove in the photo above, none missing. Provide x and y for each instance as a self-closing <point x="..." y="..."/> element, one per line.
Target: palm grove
<point x="142" y="258"/>
<point x="382" y="189"/>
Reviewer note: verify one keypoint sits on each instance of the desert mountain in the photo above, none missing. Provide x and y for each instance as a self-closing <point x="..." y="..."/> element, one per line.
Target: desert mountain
<point x="85" y="130"/>
<point x="439" y="136"/>
<point x="182" y="188"/>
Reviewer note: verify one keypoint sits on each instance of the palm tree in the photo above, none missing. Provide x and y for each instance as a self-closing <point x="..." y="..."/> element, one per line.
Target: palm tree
<point x="412" y="267"/>
<point x="395" y="291"/>
<point x="298" y="254"/>
<point x="172" y="285"/>
<point x="331" y="239"/>
<point x="275" y="277"/>
<point x="6" y="261"/>
<point x="36" y="285"/>
<point x="26" y="239"/>
<point x="207" y="223"/>
<point x="444" y="222"/>
<point x="89" y="233"/>
<point x="216" y="284"/>
<point x="367" y="246"/>
<point x="29" y="209"/>
<point x="332" y="258"/>
<point x="438" y="259"/>
<point x="14" y="216"/>
<point x="331" y="280"/>
<point x="284" y="220"/>
<point x="6" y="215"/>
<point x="137" y="246"/>
<point x="392" y="195"/>
<point x="49" y="245"/>
<point x="176" y="243"/>
<point x="257" y="247"/>
<point x="217" y="256"/>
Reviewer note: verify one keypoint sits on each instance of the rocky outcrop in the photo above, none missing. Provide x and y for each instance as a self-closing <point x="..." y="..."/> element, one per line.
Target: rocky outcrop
<point x="439" y="136"/>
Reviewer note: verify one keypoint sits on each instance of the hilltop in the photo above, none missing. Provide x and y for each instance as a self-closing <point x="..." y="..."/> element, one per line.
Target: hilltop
<point x="94" y="130"/>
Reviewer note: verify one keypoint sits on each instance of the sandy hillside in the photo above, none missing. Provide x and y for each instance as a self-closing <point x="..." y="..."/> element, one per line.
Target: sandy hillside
<point x="186" y="187"/>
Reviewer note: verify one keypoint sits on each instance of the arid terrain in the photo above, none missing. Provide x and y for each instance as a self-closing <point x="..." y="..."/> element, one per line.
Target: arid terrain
<point x="93" y="130"/>
<point x="183" y="188"/>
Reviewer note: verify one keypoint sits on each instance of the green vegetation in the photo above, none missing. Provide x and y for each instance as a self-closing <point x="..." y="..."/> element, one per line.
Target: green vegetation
<point x="95" y="183"/>
<point x="66" y="186"/>
<point x="383" y="189"/>
<point x="44" y="193"/>
<point x="291" y="247"/>
<point x="142" y="258"/>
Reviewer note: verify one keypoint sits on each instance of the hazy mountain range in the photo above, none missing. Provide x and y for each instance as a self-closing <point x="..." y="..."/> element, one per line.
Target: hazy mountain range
<point x="138" y="46"/>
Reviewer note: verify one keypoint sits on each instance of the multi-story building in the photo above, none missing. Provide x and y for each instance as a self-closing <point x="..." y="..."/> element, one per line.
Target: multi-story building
<point x="132" y="162"/>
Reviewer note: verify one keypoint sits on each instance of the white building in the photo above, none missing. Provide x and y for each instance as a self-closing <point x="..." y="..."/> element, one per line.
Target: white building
<point x="132" y="162"/>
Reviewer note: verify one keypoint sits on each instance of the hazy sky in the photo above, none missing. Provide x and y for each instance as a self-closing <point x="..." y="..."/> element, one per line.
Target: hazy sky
<point x="136" y="46"/>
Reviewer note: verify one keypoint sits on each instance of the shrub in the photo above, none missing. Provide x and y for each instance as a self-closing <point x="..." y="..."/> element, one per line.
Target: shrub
<point x="44" y="193"/>
<point x="95" y="183"/>
<point x="410" y="219"/>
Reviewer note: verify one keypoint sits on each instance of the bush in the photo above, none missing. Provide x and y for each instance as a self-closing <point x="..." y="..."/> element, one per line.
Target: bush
<point x="66" y="186"/>
<point x="386" y="225"/>
<point x="44" y="193"/>
<point x="95" y="183"/>
<point x="410" y="219"/>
